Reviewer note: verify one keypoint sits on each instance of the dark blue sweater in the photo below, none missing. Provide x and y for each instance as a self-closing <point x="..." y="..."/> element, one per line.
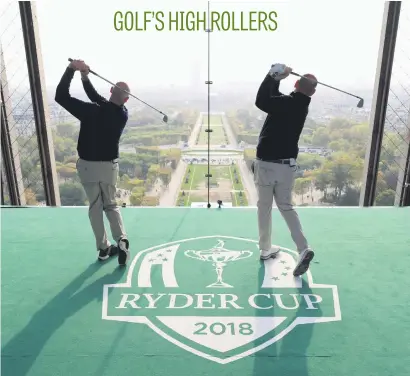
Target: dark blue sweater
<point x="102" y="122"/>
<point x="284" y="123"/>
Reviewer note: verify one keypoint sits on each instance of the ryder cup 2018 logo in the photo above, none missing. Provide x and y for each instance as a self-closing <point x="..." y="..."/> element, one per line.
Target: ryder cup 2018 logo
<point x="213" y="297"/>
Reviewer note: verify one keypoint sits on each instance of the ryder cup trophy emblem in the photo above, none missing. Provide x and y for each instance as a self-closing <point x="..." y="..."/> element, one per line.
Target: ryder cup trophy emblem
<point x="219" y="256"/>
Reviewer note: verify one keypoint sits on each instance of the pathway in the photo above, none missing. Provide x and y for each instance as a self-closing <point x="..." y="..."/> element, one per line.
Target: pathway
<point x="170" y="194"/>
<point x="247" y="178"/>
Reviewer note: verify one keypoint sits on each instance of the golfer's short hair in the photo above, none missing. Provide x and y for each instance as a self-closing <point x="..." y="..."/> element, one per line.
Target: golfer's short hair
<point x="308" y="83"/>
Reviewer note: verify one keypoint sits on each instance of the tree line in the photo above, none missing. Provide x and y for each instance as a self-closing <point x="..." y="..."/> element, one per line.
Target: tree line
<point x="139" y="170"/>
<point x="339" y="174"/>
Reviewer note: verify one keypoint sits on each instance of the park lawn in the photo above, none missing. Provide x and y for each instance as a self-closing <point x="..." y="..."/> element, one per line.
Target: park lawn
<point x="182" y="200"/>
<point x="217" y="135"/>
<point x="197" y="178"/>
<point x="188" y="199"/>
<point x="212" y="152"/>
<point x="194" y="198"/>
<point x="236" y="186"/>
<point x="198" y="172"/>
<point x="238" y="200"/>
<point x="214" y="119"/>
<point x="196" y="175"/>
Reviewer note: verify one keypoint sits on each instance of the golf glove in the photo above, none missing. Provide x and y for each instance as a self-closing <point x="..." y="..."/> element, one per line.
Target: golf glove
<point x="278" y="71"/>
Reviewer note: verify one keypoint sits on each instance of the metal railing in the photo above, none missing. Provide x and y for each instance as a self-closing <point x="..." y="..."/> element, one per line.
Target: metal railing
<point x="18" y="123"/>
<point x="392" y="176"/>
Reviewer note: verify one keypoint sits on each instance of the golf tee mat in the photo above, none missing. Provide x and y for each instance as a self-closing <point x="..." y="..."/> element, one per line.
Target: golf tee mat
<point x="196" y="300"/>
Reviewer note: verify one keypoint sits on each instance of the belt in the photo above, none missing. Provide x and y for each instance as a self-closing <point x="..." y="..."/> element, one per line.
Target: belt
<point x="111" y="160"/>
<point x="280" y="161"/>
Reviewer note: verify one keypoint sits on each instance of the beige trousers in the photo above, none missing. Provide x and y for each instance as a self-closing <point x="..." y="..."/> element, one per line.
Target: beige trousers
<point x="274" y="180"/>
<point x="99" y="180"/>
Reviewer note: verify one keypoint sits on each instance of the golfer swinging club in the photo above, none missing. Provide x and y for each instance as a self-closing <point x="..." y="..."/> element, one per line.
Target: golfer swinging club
<point x="275" y="165"/>
<point x="102" y="124"/>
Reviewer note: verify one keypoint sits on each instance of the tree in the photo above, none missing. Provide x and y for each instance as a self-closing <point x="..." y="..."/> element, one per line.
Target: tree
<point x="31" y="171"/>
<point x="392" y="149"/>
<point x="345" y="170"/>
<point x="67" y="171"/>
<point x="320" y="137"/>
<point x="301" y="186"/>
<point x="64" y="148"/>
<point x="339" y="124"/>
<point x="359" y="133"/>
<point x="71" y="159"/>
<point x="311" y="124"/>
<point x="30" y="197"/>
<point x="136" y="199"/>
<point x="306" y="139"/>
<point x="338" y="145"/>
<point x="72" y="194"/>
<point x="124" y="181"/>
<point x="350" y="197"/>
<point x="385" y="198"/>
<point x="150" y="201"/>
<point x="381" y="183"/>
<point x="179" y="119"/>
<point x="391" y="176"/>
<point x="68" y="130"/>
<point x="322" y="179"/>
<point x="128" y="165"/>
<point x="310" y="161"/>
<point x="135" y="183"/>
<point x="165" y="175"/>
<point x="152" y="174"/>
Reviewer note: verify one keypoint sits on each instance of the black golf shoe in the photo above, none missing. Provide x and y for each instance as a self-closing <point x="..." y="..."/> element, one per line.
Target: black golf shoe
<point x="105" y="254"/>
<point x="123" y="252"/>
<point x="305" y="257"/>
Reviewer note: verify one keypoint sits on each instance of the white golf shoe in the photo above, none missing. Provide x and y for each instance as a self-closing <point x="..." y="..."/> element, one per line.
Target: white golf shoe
<point x="273" y="252"/>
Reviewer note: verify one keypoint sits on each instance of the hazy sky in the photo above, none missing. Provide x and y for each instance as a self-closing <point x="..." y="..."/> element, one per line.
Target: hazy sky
<point x="337" y="41"/>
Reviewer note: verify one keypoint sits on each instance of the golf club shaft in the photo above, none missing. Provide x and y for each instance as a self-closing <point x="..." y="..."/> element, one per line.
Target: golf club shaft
<point x="331" y="87"/>
<point x="125" y="91"/>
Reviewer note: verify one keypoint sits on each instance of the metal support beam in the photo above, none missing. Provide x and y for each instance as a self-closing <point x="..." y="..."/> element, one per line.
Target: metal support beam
<point x="403" y="181"/>
<point x="209" y="130"/>
<point x="381" y="91"/>
<point x="37" y="84"/>
<point x="2" y="191"/>
<point x="9" y="148"/>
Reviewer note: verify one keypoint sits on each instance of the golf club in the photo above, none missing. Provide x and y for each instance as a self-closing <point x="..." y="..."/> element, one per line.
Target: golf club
<point x="361" y="100"/>
<point x="164" y="119"/>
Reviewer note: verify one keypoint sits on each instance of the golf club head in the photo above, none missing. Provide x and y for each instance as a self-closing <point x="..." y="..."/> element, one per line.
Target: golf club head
<point x="361" y="102"/>
<point x="165" y="119"/>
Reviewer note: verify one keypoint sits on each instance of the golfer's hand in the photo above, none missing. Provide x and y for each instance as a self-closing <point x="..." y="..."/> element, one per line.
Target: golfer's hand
<point x="74" y="64"/>
<point x="85" y="70"/>
<point x="279" y="71"/>
<point x="79" y="65"/>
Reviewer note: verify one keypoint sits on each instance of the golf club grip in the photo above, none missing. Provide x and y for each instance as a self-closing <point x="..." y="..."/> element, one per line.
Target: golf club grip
<point x="71" y="60"/>
<point x="165" y="119"/>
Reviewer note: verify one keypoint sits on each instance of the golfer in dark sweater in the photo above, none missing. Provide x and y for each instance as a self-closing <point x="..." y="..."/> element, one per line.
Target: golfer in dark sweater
<point x="276" y="153"/>
<point x="102" y="124"/>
